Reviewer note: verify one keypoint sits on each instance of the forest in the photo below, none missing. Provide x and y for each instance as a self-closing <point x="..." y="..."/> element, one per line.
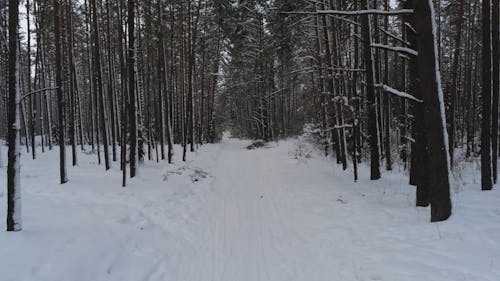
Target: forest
<point x="108" y="91"/>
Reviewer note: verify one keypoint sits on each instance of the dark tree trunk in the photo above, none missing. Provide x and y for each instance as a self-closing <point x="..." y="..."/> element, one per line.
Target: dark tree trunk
<point x="60" y="97"/>
<point x="486" y="176"/>
<point x="434" y="122"/>
<point x="100" y="92"/>
<point x="373" y="130"/>
<point x="72" y="83"/>
<point x="14" y="155"/>
<point x="387" y="100"/>
<point x="495" y="17"/>
<point x="453" y="92"/>
<point x="131" y="89"/>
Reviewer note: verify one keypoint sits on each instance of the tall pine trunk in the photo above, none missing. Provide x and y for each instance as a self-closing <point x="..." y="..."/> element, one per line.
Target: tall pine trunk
<point x="13" y="168"/>
<point x="495" y="17"/>
<point x="434" y="117"/>
<point x="373" y="129"/>
<point x="60" y="97"/>
<point x="131" y="89"/>
<point x="98" y="78"/>
<point x="486" y="176"/>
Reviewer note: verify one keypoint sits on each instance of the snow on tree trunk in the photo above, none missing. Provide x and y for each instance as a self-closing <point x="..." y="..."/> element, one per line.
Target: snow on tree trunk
<point x="434" y="117"/>
<point x="13" y="169"/>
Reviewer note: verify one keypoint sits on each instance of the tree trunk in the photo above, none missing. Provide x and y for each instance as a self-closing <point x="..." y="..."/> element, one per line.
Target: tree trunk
<point x="373" y="130"/>
<point x="387" y="100"/>
<point x="98" y="78"/>
<point x="486" y="176"/>
<point x="434" y="117"/>
<point x="14" y="222"/>
<point x="60" y="97"/>
<point x="131" y="88"/>
<point x="72" y="83"/>
<point x="495" y="17"/>
<point x="453" y="92"/>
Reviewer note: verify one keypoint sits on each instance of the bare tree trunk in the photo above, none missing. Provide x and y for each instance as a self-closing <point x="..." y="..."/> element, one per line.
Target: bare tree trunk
<point x="124" y="96"/>
<point x="453" y="91"/>
<point x="89" y="64"/>
<point x="496" y="84"/>
<point x="131" y="89"/>
<point x="486" y="176"/>
<point x="434" y="117"/>
<point x="387" y="100"/>
<point x="111" y="93"/>
<point x="32" y="99"/>
<point x="98" y="78"/>
<point x="72" y="83"/>
<point x="324" y="110"/>
<point x="14" y="222"/>
<point x="60" y="97"/>
<point x="373" y="130"/>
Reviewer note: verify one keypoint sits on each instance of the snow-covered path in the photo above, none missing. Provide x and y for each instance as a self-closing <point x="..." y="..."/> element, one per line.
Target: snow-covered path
<point x="232" y="214"/>
<point x="263" y="230"/>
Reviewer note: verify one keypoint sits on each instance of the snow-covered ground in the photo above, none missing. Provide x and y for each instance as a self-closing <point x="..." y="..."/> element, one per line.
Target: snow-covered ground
<point x="232" y="214"/>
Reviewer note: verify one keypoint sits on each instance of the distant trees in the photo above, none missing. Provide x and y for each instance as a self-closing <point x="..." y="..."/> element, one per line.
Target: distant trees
<point x="142" y="76"/>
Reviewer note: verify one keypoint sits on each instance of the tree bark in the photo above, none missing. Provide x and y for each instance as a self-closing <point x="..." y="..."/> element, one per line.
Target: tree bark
<point x="60" y="96"/>
<point x="373" y="129"/>
<point x="98" y="78"/>
<point x="486" y="173"/>
<point x="434" y="117"/>
<point x="131" y="88"/>
<point x="495" y="17"/>
<point x="453" y="92"/>
<point x="14" y="222"/>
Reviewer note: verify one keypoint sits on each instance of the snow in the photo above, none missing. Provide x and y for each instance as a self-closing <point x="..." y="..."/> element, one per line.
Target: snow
<point x="250" y="215"/>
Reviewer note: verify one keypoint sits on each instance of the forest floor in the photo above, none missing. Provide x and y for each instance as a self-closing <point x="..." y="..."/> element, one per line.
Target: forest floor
<point x="232" y="214"/>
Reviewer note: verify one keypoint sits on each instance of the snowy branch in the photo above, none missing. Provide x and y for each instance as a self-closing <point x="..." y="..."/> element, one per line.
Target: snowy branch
<point x="401" y="40"/>
<point x="395" y="92"/>
<point x="410" y="27"/>
<point x="396" y="49"/>
<point x="355" y="13"/>
<point x="345" y="126"/>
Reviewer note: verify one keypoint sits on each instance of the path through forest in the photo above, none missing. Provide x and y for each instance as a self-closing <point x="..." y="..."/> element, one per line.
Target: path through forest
<point x="232" y="214"/>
